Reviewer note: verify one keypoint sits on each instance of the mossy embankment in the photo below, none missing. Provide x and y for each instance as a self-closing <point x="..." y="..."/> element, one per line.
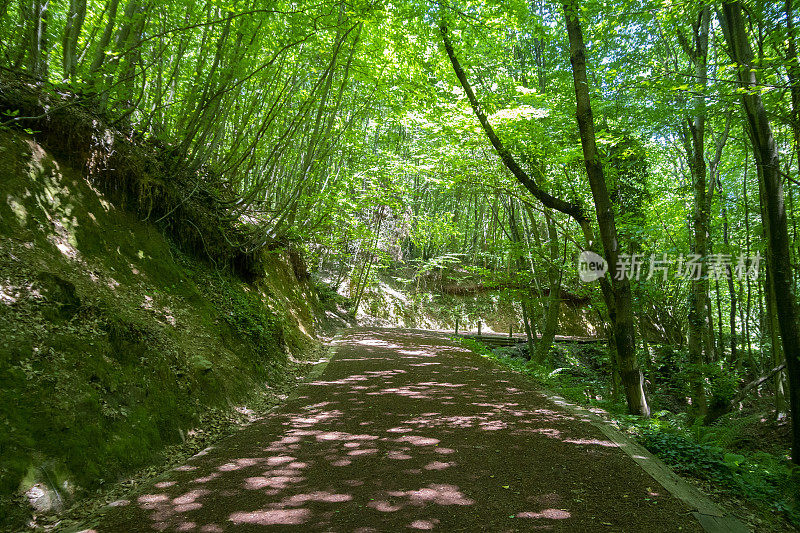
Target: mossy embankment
<point x="116" y="340"/>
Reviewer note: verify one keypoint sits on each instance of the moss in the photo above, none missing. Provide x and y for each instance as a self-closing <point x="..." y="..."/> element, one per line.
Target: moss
<point x="116" y="342"/>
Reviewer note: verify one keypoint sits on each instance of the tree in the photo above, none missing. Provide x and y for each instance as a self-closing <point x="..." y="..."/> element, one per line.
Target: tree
<point x="617" y="295"/>
<point x="694" y="143"/>
<point x="621" y="311"/>
<point x="767" y="160"/>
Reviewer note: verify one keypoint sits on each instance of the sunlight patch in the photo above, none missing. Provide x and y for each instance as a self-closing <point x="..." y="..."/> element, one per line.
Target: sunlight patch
<point x="437" y="465"/>
<point x="606" y="443"/>
<point x="189" y="497"/>
<point x="317" y="496"/>
<point x="284" y="517"/>
<point x="19" y="210"/>
<point x="419" y="441"/>
<point x="424" y="525"/>
<point x="553" y="514"/>
<point x="384" y="506"/>
<point x="274" y="482"/>
<point x="238" y="464"/>
<point x="440" y="494"/>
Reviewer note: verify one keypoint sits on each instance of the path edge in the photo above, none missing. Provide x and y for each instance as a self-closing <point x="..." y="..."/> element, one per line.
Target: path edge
<point x="316" y="371"/>
<point x="88" y="526"/>
<point x="710" y="515"/>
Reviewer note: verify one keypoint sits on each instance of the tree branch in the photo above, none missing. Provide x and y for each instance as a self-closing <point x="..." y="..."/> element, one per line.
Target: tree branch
<point x="572" y="209"/>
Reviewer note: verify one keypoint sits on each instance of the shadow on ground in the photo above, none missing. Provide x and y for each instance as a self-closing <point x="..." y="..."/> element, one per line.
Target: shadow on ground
<point x="402" y="432"/>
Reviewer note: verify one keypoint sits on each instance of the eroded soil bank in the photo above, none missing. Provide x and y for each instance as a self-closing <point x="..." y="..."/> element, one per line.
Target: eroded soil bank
<point x="114" y="343"/>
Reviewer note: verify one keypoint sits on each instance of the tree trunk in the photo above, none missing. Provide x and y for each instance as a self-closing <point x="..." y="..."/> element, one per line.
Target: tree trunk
<point x="622" y="313"/>
<point x="554" y="298"/>
<point x="525" y="295"/>
<point x="618" y="302"/>
<point x="767" y="159"/>
<point x="526" y="322"/>
<point x="748" y="304"/>
<point x="35" y="24"/>
<point x="731" y="288"/>
<point x="105" y="40"/>
<point x="793" y="73"/>
<point x="775" y="352"/>
<point x="69" y="41"/>
<point x="694" y="145"/>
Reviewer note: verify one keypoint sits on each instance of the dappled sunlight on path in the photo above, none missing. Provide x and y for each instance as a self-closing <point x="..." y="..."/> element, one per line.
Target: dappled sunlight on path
<point x="404" y="431"/>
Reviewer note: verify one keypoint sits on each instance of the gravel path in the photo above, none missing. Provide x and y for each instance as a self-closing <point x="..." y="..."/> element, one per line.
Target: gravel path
<point x="404" y="431"/>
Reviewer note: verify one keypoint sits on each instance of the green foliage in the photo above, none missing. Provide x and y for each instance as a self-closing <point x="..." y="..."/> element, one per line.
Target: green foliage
<point x="575" y="376"/>
<point x="723" y="383"/>
<point x="108" y="357"/>
<point x="128" y="425"/>
<point x="682" y="454"/>
<point x="476" y="346"/>
<point x="328" y="295"/>
<point x="761" y="477"/>
<point x="342" y="126"/>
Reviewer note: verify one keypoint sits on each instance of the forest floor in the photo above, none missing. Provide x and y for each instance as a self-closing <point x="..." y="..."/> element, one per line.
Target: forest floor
<point x="405" y="431"/>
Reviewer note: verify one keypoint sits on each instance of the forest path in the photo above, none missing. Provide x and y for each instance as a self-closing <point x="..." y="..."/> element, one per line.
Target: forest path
<point x="404" y="431"/>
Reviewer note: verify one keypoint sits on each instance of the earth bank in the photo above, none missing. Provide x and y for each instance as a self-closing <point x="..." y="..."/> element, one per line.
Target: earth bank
<point x="115" y="343"/>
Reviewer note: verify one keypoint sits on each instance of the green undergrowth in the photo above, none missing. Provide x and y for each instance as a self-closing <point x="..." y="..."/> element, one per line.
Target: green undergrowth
<point x="330" y="298"/>
<point x="760" y="477"/>
<point x="150" y="178"/>
<point x="213" y="425"/>
<point x="574" y="371"/>
<point x="713" y="454"/>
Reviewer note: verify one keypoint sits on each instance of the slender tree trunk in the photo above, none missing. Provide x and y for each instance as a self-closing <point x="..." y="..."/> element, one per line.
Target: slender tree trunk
<point x="749" y="309"/>
<point x="793" y="73"/>
<point x="526" y="322"/>
<point x="778" y="254"/>
<point x="554" y="298"/>
<point x="520" y="261"/>
<point x="775" y="351"/>
<point x="69" y="41"/>
<point x="720" y="349"/>
<point x="733" y="358"/>
<point x="699" y="330"/>
<point x="368" y="262"/>
<point x="622" y="314"/>
<point x="36" y="17"/>
<point x="105" y="40"/>
<point x="616" y="379"/>
<point x="771" y="321"/>
<point x="618" y="299"/>
<point x="538" y="244"/>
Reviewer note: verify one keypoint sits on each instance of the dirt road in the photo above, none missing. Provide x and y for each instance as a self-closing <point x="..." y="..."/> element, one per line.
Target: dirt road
<point x="404" y="431"/>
